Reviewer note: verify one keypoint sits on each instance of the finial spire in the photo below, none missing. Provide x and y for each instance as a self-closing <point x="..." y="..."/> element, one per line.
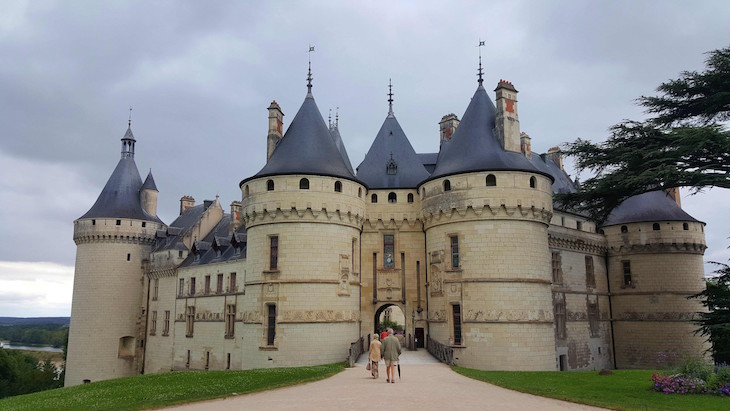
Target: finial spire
<point x="337" y="117"/>
<point x="309" y="73"/>
<point x="481" y="80"/>
<point x="390" y="97"/>
<point x="329" y="121"/>
<point x="129" y="123"/>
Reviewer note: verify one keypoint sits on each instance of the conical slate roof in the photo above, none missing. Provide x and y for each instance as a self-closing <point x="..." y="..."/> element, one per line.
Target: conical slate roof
<point x="647" y="207"/>
<point x="335" y="133"/>
<point x="391" y="146"/>
<point x="306" y="148"/>
<point x="474" y="145"/>
<point x="149" y="183"/>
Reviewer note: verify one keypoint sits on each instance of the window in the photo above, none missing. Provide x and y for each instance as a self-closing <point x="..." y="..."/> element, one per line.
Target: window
<point x="338" y="187"/>
<point x="273" y="253"/>
<point x="590" y="274"/>
<point x="627" y="273"/>
<point x="187" y="362"/>
<point x="454" y="241"/>
<point x="271" y="325"/>
<point x="181" y="290"/>
<point x="93" y="222"/>
<point x="391" y="168"/>
<point x="579" y="225"/>
<point x="410" y="197"/>
<point x="180" y="254"/>
<point x="374" y="198"/>
<point x="119" y="222"/>
<point x="219" y="286"/>
<point x="270" y="185"/>
<point x="166" y="326"/>
<point x="230" y="319"/>
<point x="685" y="226"/>
<point x="153" y="327"/>
<point x="129" y="256"/>
<point x="447" y="185"/>
<point x="232" y="283"/>
<point x="359" y="192"/>
<point x="560" y="326"/>
<point x="457" y="324"/>
<point x="207" y="359"/>
<point x="389" y="251"/>
<point x="392" y="198"/>
<point x="624" y="229"/>
<point x="533" y="182"/>
<point x="192" y="286"/>
<point x="304" y="184"/>
<point x="562" y="221"/>
<point x="557" y="268"/>
<point x="228" y="361"/>
<point x="593" y="317"/>
<point x="656" y="227"/>
<point x="156" y="289"/>
<point x="491" y="180"/>
<point x="207" y="284"/>
<point x="189" y="320"/>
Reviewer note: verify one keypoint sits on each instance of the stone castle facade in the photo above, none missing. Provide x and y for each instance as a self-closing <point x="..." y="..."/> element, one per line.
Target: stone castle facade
<point x="468" y="243"/>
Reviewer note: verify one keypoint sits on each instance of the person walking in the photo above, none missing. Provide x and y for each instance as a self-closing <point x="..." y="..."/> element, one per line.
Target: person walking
<point x="391" y="352"/>
<point x="374" y="355"/>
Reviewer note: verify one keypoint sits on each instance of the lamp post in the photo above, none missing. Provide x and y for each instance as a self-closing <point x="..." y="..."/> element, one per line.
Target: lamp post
<point x="413" y="322"/>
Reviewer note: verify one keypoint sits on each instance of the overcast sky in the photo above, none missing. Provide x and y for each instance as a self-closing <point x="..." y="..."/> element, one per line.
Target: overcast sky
<point x="200" y="75"/>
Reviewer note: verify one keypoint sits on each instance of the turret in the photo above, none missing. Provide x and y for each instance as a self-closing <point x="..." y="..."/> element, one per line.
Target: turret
<point x="148" y="195"/>
<point x="276" y="124"/>
<point x="508" y="122"/>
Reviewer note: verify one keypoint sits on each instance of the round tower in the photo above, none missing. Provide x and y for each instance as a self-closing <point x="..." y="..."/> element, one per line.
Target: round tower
<point x="303" y="212"/>
<point x="486" y="211"/>
<point x="113" y="239"/>
<point x="655" y="254"/>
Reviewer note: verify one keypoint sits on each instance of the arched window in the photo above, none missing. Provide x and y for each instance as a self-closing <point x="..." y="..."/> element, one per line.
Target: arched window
<point x="533" y="182"/>
<point x="410" y="197"/>
<point x="624" y="229"/>
<point x="491" y="180"/>
<point x="338" y="187"/>
<point x="656" y="227"/>
<point x="304" y="184"/>
<point x="685" y="226"/>
<point x="447" y="185"/>
<point x="392" y="198"/>
<point x="270" y="185"/>
<point x="374" y="198"/>
<point x="359" y="192"/>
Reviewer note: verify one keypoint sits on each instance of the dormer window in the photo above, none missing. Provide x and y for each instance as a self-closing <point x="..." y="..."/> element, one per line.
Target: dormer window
<point x="391" y="168"/>
<point x="304" y="184"/>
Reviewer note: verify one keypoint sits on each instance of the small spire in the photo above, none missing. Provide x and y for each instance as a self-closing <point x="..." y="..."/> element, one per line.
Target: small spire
<point x="129" y="123"/>
<point x="329" y="120"/>
<point x="337" y="117"/>
<point x="390" y="97"/>
<point x="309" y="73"/>
<point x="481" y="44"/>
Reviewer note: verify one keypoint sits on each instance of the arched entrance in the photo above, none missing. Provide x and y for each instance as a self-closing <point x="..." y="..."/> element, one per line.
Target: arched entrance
<point x="389" y="316"/>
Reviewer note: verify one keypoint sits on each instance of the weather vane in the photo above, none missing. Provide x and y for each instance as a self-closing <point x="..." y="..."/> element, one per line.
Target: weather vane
<point x="390" y="96"/>
<point x="309" y="74"/>
<point x="481" y="44"/>
<point x="129" y="123"/>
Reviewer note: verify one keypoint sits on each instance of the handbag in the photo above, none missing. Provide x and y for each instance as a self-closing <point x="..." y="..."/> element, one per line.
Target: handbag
<point x="367" y="367"/>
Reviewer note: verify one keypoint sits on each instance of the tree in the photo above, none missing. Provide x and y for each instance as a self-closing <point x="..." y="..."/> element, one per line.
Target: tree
<point x="682" y="146"/>
<point x="715" y="324"/>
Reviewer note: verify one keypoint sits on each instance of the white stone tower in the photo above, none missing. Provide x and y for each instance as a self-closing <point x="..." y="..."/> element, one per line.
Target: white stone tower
<point x="113" y="240"/>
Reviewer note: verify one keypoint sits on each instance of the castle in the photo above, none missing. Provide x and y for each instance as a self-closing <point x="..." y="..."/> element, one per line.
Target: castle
<point x="468" y="243"/>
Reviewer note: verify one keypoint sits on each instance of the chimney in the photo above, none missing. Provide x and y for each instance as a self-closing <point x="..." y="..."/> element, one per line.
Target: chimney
<point x="236" y="215"/>
<point x="508" y="123"/>
<point x="556" y="156"/>
<point x="448" y="125"/>
<point x="674" y="193"/>
<point x="276" y="124"/>
<point x="185" y="203"/>
<point x="525" y="145"/>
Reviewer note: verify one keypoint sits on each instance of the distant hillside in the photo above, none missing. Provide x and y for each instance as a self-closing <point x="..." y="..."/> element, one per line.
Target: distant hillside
<point x="35" y="320"/>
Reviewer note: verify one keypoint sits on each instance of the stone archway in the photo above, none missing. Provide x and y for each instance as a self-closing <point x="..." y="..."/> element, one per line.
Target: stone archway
<point x="389" y="315"/>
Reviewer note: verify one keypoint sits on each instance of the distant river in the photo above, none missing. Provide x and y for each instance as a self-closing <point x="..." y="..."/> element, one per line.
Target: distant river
<point x="48" y="348"/>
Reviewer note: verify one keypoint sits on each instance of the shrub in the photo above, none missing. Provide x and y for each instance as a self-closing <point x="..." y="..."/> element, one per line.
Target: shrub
<point x="724" y="391"/>
<point x="695" y="367"/>
<point x="722" y="374"/>
<point x="677" y="384"/>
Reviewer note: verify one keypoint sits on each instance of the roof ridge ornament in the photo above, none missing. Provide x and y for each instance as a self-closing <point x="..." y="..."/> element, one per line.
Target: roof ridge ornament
<point x="337" y="117"/>
<point x="480" y="72"/>
<point x="390" y="98"/>
<point x="309" y="73"/>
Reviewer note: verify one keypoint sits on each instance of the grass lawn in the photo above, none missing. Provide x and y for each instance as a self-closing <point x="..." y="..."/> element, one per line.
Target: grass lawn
<point x="158" y="390"/>
<point x="624" y="390"/>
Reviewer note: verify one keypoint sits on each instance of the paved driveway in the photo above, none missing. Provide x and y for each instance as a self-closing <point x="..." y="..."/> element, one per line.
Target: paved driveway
<point x="425" y="384"/>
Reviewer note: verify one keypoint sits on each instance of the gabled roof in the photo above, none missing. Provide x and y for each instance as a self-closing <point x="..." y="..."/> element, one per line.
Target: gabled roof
<point x="306" y="148"/>
<point x="391" y="146"/>
<point x="120" y="197"/>
<point x="335" y="133"/>
<point x="475" y="147"/>
<point x="647" y="207"/>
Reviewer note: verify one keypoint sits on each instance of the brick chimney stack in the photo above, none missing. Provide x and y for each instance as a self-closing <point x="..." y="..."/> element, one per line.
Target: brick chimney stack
<point x="526" y="145"/>
<point x="556" y="156"/>
<point x="674" y="193"/>
<point x="276" y="125"/>
<point x="185" y="203"/>
<point x="508" y="122"/>
<point x="447" y="126"/>
<point x="236" y="215"/>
